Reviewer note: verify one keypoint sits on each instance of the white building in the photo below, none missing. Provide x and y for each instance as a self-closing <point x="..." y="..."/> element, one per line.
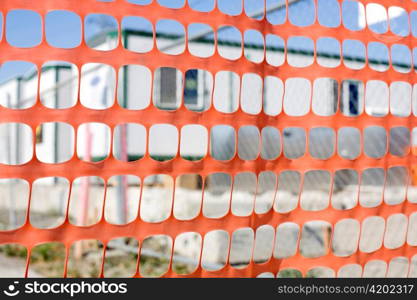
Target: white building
<point x="58" y="90"/>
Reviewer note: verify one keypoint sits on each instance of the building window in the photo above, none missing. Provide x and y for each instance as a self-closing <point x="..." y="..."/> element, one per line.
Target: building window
<point x="352" y="93"/>
<point x="197" y="90"/>
<point x="169" y="92"/>
<point x="335" y="88"/>
<point x="168" y="84"/>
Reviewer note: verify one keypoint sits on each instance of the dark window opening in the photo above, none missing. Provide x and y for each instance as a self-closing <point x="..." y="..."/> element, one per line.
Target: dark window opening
<point x="191" y="87"/>
<point x="353" y="99"/>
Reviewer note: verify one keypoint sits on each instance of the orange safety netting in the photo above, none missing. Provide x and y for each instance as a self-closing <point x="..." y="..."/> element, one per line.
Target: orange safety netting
<point x="67" y="233"/>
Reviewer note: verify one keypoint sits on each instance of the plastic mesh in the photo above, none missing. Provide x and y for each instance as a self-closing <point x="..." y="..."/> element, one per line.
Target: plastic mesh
<point x="357" y="148"/>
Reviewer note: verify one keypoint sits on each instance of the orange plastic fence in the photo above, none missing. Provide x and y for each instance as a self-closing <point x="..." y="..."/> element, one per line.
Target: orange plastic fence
<point x="67" y="233"/>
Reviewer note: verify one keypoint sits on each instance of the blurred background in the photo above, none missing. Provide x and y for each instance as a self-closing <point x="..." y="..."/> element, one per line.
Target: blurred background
<point x="61" y="84"/>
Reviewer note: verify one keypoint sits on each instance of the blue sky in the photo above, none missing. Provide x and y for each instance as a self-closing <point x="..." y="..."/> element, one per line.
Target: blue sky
<point x="63" y="28"/>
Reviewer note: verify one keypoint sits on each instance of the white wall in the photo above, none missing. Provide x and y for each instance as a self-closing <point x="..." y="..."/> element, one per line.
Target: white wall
<point x="139" y="95"/>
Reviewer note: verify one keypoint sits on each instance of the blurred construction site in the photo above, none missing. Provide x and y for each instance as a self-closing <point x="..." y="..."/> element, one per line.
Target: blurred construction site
<point x="123" y="198"/>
